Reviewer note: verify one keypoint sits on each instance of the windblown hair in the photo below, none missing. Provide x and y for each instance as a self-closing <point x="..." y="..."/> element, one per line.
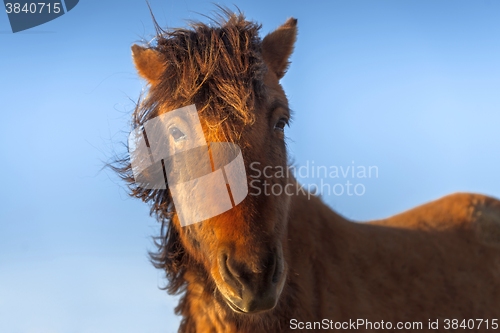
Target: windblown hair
<point x="217" y="67"/>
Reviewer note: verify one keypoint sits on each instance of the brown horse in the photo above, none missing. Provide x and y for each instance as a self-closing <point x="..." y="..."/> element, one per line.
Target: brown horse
<point x="283" y="263"/>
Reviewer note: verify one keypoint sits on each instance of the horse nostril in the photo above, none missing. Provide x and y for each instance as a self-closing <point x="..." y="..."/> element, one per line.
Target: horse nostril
<point x="229" y="274"/>
<point x="275" y="269"/>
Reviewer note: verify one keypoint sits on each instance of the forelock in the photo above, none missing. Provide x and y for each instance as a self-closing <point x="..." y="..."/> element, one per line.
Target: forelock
<point x="217" y="66"/>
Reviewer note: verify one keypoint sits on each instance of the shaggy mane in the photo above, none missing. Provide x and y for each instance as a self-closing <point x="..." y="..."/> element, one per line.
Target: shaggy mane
<point x="219" y="68"/>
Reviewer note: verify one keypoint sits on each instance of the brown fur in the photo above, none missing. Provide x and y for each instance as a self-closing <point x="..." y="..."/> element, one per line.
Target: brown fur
<point x="437" y="261"/>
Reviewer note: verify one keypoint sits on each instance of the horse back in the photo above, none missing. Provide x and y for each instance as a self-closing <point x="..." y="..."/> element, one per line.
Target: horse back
<point x="475" y="214"/>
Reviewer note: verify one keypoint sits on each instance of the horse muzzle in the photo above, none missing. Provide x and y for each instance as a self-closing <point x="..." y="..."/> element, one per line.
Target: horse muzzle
<point x="247" y="291"/>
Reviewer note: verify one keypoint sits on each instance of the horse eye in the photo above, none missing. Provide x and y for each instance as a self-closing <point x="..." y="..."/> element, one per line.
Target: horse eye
<point x="176" y="134"/>
<point x="280" y="125"/>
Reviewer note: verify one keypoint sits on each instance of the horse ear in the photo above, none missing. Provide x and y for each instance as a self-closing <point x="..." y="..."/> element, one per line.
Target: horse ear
<point x="278" y="46"/>
<point x="149" y="63"/>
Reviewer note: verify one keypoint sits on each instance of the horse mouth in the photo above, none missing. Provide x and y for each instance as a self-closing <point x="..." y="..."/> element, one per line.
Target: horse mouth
<point x="233" y="306"/>
<point x="250" y="307"/>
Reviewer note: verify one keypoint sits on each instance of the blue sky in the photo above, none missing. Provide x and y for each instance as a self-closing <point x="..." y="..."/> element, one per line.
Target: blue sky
<point x="410" y="87"/>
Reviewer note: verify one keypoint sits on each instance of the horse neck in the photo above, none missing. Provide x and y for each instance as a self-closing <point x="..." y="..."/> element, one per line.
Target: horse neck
<point x="312" y="225"/>
<point x="317" y="243"/>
